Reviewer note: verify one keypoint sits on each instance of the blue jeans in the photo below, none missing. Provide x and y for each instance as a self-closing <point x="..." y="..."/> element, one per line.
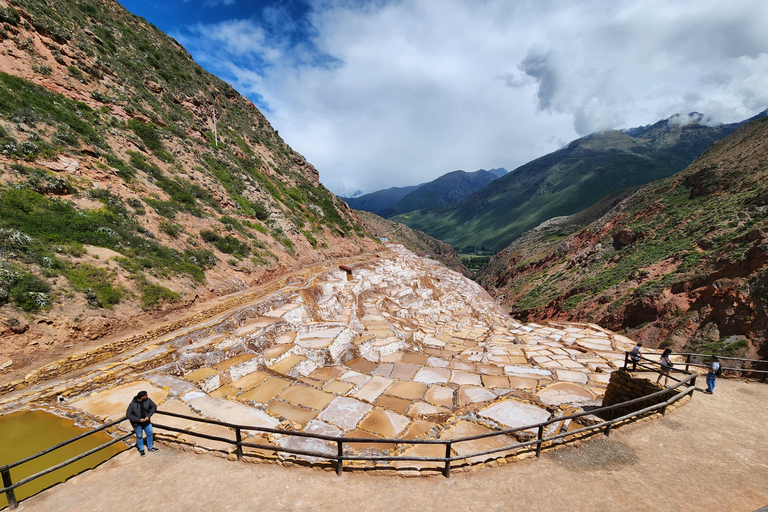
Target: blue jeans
<point x="711" y="378"/>
<point x="139" y="430"/>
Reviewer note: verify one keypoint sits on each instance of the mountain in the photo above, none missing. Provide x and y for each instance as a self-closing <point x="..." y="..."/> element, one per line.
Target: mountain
<point x="566" y="181"/>
<point x="415" y="241"/>
<point x="447" y="189"/>
<point x="123" y="199"/>
<point x="380" y="200"/>
<point x="681" y="262"/>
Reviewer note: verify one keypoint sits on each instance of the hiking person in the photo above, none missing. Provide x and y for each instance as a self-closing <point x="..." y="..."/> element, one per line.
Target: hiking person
<point x="712" y="373"/>
<point x="139" y="413"/>
<point x="635" y="354"/>
<point x="666" y="365"/>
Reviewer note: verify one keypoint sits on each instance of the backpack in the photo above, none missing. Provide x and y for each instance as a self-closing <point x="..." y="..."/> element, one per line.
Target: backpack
<point x="719" y="370"/>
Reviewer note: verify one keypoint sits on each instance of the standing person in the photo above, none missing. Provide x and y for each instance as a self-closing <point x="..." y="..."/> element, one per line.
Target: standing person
<point x="139" y="413"/>
<point x="714" y="368"/>
<point x="635" y="354"/>
<point x="666" y="365"/>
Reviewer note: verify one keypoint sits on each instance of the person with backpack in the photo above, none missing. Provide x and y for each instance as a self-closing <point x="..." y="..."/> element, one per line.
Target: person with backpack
<point x="715" y="370"/>
<point x="666" y="365"/>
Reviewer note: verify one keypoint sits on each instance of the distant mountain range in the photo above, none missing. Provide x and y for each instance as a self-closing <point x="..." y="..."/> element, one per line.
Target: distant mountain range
<point x="567" y="181"/>
<point x="446" y="189"/>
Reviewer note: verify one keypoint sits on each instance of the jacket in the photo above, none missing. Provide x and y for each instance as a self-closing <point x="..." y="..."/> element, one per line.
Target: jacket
<point x="134" y="412"/>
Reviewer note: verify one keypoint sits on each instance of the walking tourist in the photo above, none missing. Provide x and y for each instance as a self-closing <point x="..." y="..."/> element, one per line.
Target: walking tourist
<point x="666" y="365"/>
<point x="139" y="413"/>
<point x="635" y="354"/>
<point x="714" y="370"/>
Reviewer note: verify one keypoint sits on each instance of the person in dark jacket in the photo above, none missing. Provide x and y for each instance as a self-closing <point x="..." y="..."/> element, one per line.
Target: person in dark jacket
<point x="139" y="413"/>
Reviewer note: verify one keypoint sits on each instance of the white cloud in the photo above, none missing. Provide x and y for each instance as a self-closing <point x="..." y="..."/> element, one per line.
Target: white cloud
<point x="397" y="93"/>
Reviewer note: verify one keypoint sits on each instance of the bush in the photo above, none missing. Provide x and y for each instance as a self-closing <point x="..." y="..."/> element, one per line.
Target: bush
<point x="96" y="282"/>
<point x="153" y="294"/>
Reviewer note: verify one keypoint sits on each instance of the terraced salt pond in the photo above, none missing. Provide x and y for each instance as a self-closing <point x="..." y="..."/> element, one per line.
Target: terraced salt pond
<point x="400" y="348"/>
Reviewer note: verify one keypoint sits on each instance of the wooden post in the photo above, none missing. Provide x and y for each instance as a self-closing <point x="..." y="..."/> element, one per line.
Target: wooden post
<point x="538" y="444"/>
<point x="340" y="460"/>
<point x="239" y="438"/>
<point x="447" y="468"/>
<point x="608" y="427"/>
<point x="687" y="361"/>
<point x="7" y="482"/>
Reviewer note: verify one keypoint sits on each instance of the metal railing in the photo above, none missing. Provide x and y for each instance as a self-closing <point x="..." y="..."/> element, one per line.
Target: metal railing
<point x="537" y="431"/>
<point x="8" y="485"/>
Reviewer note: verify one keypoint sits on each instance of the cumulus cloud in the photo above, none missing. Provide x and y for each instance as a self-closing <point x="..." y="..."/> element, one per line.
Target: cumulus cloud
<point x="380" y="94"/>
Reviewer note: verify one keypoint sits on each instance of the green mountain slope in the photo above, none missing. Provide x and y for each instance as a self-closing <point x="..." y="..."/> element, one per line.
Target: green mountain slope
<point x="681" y="262"/>
<point x="565" y="182"/>
<point x="447" y="189"/>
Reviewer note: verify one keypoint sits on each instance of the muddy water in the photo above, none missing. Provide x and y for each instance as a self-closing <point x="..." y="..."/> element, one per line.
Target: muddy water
<point x="25" y="433"/>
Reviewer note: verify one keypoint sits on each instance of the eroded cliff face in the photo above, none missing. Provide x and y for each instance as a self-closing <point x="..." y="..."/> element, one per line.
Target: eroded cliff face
<point x="682" y="262"/>
<point x="134" y="185"/>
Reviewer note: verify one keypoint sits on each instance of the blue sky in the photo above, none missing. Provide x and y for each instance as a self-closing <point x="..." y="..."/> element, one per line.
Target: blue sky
<point x="385" y="93"/>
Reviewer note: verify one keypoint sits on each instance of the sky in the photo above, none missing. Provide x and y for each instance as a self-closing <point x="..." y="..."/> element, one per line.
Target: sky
<point x="385" y="93"/>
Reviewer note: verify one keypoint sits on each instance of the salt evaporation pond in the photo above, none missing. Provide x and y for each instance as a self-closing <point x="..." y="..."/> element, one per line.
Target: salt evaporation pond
<point x="26" y="433"/>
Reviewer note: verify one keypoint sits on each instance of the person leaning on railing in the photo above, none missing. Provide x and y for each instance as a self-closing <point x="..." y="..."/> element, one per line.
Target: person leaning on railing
<point x="635" y="354"/>
<point x="139" y="413"/>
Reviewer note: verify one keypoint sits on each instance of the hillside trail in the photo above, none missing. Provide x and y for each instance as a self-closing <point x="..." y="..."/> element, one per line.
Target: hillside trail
<point x="710" y="454"/>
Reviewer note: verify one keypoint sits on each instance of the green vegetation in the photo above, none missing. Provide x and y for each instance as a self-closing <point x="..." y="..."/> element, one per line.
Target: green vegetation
<point x="153" y="295"/>
<point x="96" y="283"/>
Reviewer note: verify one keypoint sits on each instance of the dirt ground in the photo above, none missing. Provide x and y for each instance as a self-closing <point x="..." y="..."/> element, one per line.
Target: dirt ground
<point x="710" y="454"/>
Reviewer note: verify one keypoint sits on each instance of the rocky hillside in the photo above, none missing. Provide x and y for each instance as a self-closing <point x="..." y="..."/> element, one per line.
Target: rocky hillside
<point x="566" y="182"/>
<point x="134" y="183"/>
<point x="415" y="241"/>
<point x="682" y="262"/>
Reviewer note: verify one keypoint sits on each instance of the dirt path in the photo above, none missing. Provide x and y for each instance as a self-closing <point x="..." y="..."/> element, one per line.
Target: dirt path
<point x="711" y="454"/>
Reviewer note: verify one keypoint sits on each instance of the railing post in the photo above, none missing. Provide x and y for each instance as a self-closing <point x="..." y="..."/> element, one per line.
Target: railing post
<point x="693" y="386"/>
<point x="239" y="437"/>
<point x="340" y="453"/>
<point x="626" y="360"/>
<point x="538" y="443"/>
<point x="447" y="468"/>
<point x="7" y="482"/>
<point x="765" y="369"/>
<point x="610" y="424"/>
<point x="687" y="361"/>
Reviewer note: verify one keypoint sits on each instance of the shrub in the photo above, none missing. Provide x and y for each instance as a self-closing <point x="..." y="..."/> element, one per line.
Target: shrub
<point x="153" y="294"/>
<point x="96" y="283"/>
